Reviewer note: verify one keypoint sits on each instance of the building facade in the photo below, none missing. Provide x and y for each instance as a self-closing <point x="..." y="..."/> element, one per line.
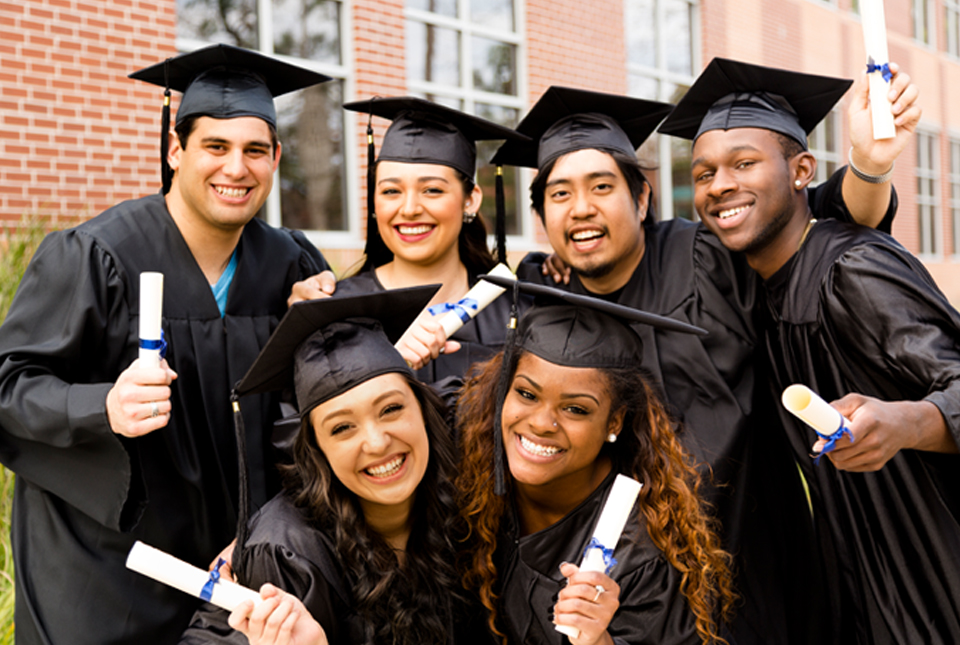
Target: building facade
<point x="77" y="136"/>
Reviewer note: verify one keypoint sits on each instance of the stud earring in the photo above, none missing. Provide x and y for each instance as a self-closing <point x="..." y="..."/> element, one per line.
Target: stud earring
<point x="468" y="217"/>
<point x="612" y="437"/>
<point x="797" y="183"/>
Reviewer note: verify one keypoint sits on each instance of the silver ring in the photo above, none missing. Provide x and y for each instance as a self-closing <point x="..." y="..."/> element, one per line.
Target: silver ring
<point x="600" y="591"/>
<point x="154" y="410"/>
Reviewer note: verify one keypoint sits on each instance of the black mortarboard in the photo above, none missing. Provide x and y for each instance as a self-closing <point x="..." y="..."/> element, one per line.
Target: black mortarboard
<point x="565" y="120"/>
<point x="223" y="82"/>
<point x="731" y="94"/>
<point x="574" y="331"/>
<point x="427" y="132"/>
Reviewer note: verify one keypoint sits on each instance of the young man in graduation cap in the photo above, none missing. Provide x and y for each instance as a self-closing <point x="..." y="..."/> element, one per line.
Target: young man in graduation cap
<point x="854" y="316"/>
<point x="106" y="451"/>
<point x="595" y="205"/>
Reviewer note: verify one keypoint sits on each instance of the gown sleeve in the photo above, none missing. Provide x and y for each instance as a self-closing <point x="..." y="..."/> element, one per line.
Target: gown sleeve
<point x="826" y="202"/>
<point x="652" y="608"/>
<point x="63" y="344"/>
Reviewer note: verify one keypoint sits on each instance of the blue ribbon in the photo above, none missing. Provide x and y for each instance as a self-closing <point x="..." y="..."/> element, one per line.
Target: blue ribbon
<point x="207" y="592"/>
<point x="155" y="344"/>
<point x="832" y="440"/>
<point x="460" y="308"/>
<point x="884" y="69"/>
<point x="608" y="558"/>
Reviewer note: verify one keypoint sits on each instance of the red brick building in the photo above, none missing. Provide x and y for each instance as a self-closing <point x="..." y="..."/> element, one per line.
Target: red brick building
<point x="77" y="136"/>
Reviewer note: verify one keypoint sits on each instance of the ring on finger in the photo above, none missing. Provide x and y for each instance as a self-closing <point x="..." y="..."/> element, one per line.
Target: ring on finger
<point x="154" y="410"/>
<point x="600" y="591"/>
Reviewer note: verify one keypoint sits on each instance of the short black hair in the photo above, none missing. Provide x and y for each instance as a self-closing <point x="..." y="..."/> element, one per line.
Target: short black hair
<point x="186" y="127"/>
<point x="788" y="145"/>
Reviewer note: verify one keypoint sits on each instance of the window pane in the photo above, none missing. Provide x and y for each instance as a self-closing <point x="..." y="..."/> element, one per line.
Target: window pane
<point x="641" y="44"/>
<point x="643" y="87"/>
<point x="307" y="29"/>
<point x="233" y="22"/>
<point x="682" y="178"/>
<point x="433" y="53"/>
<point x="311" y="166"/>
<point x="486" y="174"/>
<point x="443" y="7"/>
<point x="494" y="66"/>
<point x="495" y="14"/>
<point x="676" y="36"/>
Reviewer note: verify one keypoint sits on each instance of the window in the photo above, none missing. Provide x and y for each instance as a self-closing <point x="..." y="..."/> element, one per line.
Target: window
<point x="824" y="143"/>
<point x="661" y="55"/>
<point x="464" y="54"/>
<point x="927" y="202"/>
<point x="312" y="174"/>
<point x="922" y="21"/>
<point x="954" y="180"/>
<point x="951" y="9"/>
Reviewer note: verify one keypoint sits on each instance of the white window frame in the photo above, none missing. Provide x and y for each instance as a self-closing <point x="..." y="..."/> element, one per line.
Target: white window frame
<point x="662" y="76"/>
<point x="929" y="169"/>
<point x="951" y="26"/>
<point x="826" y="155"/>
<point x="345" y="239"/>
<point x="920" y="10"/>
<point x="953" y="178"/>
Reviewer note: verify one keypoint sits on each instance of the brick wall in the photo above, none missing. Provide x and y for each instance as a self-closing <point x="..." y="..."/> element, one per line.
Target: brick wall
<point x="76" y="135"/>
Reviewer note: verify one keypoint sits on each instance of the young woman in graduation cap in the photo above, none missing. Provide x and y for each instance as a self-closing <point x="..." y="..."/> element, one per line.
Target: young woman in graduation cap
<point x="425" y="226"/>
<point x="568" y="408"/>
<point x="362" y="532"/>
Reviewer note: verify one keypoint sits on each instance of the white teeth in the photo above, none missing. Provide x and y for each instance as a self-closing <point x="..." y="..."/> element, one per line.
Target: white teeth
<point x="231" y="192"/>
<point x="731" y="212"/>
<point x="537" y="449"/>
<point x="414" y="230"/>
<point x="387" y="469"/>
<point x="581" y="236"/>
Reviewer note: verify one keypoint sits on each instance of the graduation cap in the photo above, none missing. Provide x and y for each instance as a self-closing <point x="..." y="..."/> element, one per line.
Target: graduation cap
<point x="731" y="94"/>
<point x="571" y="330"/>
<point x="427" y="132"/>
<point x="565" y="120"/>
<point x="324" y="348"/>
<point x="223" y="82"/>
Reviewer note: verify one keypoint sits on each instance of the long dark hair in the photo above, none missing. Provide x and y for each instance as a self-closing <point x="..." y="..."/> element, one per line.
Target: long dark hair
<point x="646" y="449"/>
<point x="472" y="241"/>
<point x="401" y="603"/>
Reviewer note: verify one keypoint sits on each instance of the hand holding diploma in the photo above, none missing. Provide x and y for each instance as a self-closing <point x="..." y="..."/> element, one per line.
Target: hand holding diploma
<point x="586" y="605"/>
<point x="279" y="619"/>
<point x="826" y="421"/>
<point x="139" y="402"/>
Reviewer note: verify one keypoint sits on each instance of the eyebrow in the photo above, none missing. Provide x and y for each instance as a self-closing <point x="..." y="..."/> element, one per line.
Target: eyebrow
<point x="420" y="180"/>
<point x="594" y="175"/>
<point x="248" y="144"/>
<point x="735" y="149"/>
<point x="348" y="411"/>
<point x="574" y="395"/>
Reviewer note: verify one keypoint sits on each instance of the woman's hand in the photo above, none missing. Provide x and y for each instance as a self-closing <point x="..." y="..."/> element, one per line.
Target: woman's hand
<point x="424" y="341"/>
<point x="554" y="267"/>
<point x="588" y="602"/>
<point x="281" y="619"/>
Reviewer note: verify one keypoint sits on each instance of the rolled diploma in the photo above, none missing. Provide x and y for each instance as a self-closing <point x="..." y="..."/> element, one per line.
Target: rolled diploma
<point x="483" y="293"/>
<point x="189" y="579"/>
<point x="814" y="411"/>
<point x="151" y="310"/>
<point x="875" y="42"/>
<point x="609" y="528"/>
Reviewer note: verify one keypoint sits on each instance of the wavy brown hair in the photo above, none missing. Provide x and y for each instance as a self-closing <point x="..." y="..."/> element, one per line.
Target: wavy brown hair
<point x="409" y="603"/>
<point x="647" y="450"/>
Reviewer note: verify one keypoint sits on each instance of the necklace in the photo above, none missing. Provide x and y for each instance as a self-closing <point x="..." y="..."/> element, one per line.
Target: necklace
<point x="806" y="231"/>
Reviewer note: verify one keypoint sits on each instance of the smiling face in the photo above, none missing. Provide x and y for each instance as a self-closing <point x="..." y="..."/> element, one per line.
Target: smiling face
<point x="744" y="192"/>
<point x="555" y="421"/>
<point x="420" y="210"/>
<point x="224" y="173"/>
<point x="375" y="441"/>
<point x="592" y="220"/>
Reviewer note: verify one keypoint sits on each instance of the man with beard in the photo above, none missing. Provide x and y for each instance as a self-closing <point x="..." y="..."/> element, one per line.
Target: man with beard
<point x="850" y="313"/>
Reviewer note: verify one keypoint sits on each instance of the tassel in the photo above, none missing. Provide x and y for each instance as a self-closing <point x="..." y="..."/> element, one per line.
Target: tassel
<point x="501" y="226"/>
<point x="372" y="231"/>
<point x="503" y="386"/>
<point x="166" y="173"/>
<point x="243" y="499"/>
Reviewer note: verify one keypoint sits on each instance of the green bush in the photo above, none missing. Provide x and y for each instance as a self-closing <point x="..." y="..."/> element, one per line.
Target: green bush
<point x="17" y="244"/>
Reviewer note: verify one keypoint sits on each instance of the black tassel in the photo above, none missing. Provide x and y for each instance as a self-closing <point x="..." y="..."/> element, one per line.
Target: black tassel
<point x="503" y="386"/>
<point x="243" y="498"/>
<point x="501" y="226"/>
<point x="372" y="230"/>
<point x="166" y="173"/>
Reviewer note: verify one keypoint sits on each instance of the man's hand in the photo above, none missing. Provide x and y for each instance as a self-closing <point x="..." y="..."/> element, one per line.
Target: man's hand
<point x="281" y="619"/>
<point x="554" y="267"/>
<point x="424" y="341"/>
<point x="872" y="156"/>
<point x="139" y="402"/>
<point x="321" y="285"/>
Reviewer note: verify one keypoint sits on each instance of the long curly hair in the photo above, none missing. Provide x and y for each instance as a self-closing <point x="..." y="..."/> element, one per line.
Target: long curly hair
<point x="647" y="450"/>
<point x="404" y="603"/>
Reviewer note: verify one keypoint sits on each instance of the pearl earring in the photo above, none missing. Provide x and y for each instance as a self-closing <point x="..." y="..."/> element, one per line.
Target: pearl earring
<point x="468" y="217"/>
<point x="612" y="437"/>
<point x="797" y="183"/>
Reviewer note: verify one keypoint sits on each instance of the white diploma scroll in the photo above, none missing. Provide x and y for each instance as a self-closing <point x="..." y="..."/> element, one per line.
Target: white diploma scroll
<point x="807" y="405"/>
<point x="875" y="42"/>
<point x="483" y="293"/>
<point x="189" y="579"/>
<point x="607" y="532"/>
<point x="151" y="311"/>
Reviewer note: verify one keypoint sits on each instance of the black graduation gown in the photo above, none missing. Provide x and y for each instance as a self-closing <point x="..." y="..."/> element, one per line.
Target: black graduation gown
<point x="84" y="494"/>
<point x="853" y="311"/>
<point x="710" y="384"/>
<point x="479" y="339"/>
<point x="652" y="609"/>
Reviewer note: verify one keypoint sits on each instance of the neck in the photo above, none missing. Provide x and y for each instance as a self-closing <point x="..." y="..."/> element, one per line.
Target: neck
<point x="773" y="256"/>
<point x="449" y="272"/>
<point x="620" y="275"/>
<point x="392" y="522"/>
<point x="211" y="246"/>
<point x="542" y="506"/>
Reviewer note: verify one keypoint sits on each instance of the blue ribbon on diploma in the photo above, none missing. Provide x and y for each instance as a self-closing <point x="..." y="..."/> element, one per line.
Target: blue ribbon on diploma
<point x="155" y="344"/>
<point x="460" y="308"/>
<point x="608" y="558"/>
<point x="832" y="440"/>
<point x="883" y="69"/>
<point x="207" y="592"/>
